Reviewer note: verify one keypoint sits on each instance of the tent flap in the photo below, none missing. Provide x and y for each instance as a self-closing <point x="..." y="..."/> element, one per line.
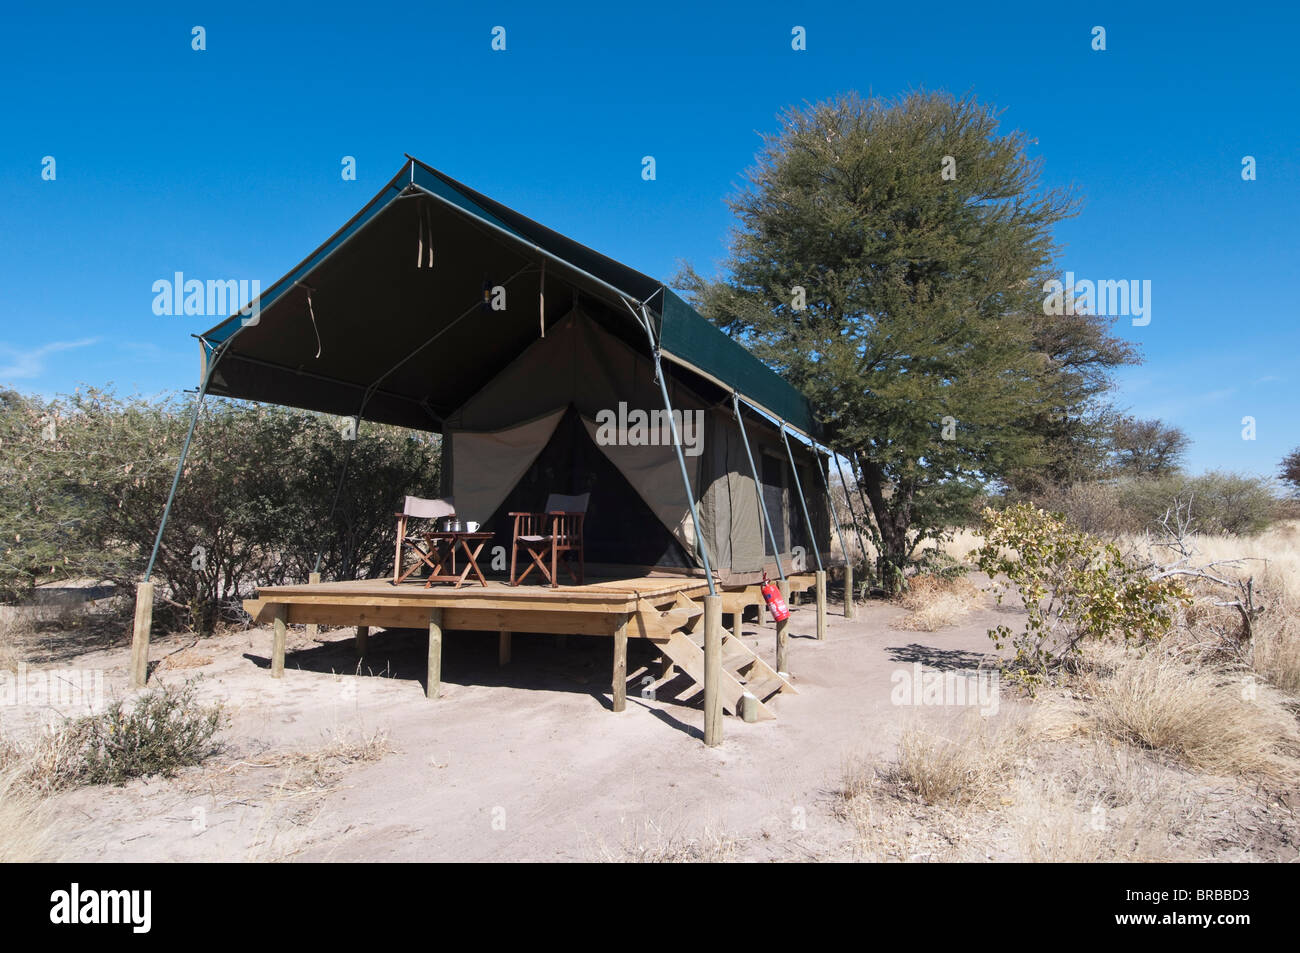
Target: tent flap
<point x="489" y="464"/>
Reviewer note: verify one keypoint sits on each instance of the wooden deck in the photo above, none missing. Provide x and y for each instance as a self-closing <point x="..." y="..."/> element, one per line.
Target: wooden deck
<point x="576" y="610"/>
<point x="662" y="607"/>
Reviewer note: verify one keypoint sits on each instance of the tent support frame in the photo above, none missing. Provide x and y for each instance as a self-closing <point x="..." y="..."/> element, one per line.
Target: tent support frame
<point x="830" y="500"/>
<point x="758" y="486"/>
<point x="803" y="503"/>
<point x="681" y="459"/>
<point x="848" y="498"/>
<point x="338" y="490"/>
<point x="185" y="451"/>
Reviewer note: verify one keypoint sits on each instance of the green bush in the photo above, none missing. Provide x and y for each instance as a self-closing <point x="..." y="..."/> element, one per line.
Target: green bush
<point x="1222" y="503"/>
<point x="161" y="731"/>
<point x="1230" y="504"/>
<point x="83" y="482"/>
<point x="1072" y="585"/>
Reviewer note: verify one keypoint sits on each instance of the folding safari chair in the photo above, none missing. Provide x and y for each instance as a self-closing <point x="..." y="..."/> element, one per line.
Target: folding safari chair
<point x="545" y="536"/>
<point x="416" y="508"/>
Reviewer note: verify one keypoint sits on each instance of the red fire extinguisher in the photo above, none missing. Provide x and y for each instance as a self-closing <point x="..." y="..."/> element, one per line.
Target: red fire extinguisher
<point x="772" y="596"/>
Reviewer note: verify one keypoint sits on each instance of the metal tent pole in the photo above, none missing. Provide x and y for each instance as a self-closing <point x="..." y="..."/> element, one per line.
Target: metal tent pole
<point x="848" y="498"/>
<point x="830" y="501"/>
<point x="807" y="520"/>
<point x="758" y="485"/>
<point x="338" y="491"/>
<point x="681" y="459"/>
<point x="138" y="667"/>
<point x="185" y="450"/>
<point x="371" y="390"/>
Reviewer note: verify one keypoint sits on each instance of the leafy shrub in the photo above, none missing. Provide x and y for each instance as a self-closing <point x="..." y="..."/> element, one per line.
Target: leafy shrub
<point x="1231" y="504"/>
<point x="160" y="732"/>
<point x="1073" y="586"/>
<point x="83" y="482"/>
<point x="1222" y="503"/>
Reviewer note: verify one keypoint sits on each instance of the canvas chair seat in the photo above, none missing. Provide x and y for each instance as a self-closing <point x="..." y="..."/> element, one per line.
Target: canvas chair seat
<point x="563" y="517"/>
<point x="417" y="508"/>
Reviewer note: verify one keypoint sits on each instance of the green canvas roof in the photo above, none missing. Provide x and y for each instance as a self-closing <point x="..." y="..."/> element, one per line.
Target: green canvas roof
<point x="387" y="318"/>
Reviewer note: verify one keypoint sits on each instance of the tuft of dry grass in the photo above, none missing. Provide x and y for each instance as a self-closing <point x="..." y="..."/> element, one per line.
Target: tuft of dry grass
<point x="12" y="630"/>
<point x="1030" y="788"/>
<point x="315" y="771"/>
<point x="1222" y="722"/>
<point x="1276" y="652"/>
<point x="26" y="832"/>
<point x="1052" y="823"/>
<point x="965" y="763"/>
<point x="936" y="602"/>
<point x="650" y="843"/>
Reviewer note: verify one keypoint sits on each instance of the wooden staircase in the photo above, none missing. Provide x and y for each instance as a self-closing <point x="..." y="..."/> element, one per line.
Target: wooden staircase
<point x="679" y="633"/>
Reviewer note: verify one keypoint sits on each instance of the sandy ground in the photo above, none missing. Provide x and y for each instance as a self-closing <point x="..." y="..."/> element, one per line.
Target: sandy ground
<point x="522" y="762"/>
<point x="348" y="761"/>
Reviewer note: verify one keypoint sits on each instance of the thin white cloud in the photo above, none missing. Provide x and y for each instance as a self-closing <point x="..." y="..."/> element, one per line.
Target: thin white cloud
<point x="1176" y="407"/>
<point x="30" y="364"/>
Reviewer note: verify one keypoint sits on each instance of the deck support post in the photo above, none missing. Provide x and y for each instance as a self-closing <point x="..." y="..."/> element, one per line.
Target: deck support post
<point x="620" y="664"/>
<point x="434" y="681"/>
<point x="140" y="634"/>
<point x="280" y="638"/>
<point x="503" y="648"/>
<point x="312" y="579"/>
<point x="712" y="669"/>
<point x="363" y="637"/>
<point x="821" y="605"/>
<point x="782" y="632"/>
<point x="848" y="589"/>
<point x="736" y="618"/>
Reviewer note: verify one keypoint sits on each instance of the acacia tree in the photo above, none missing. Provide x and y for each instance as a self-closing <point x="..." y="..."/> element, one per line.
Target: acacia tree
<point x="889" y="258"/>
<point x="1291" y="469"/>
<point x="1147" y="448"/>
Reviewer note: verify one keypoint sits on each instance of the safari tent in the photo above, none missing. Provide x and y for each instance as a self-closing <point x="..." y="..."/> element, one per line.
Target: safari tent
<point x="547" y="368"/>
<point x="539" y="361"/>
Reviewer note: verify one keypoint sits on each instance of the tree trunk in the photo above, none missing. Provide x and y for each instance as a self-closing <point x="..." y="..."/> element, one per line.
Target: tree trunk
<point x="894" y="519"/>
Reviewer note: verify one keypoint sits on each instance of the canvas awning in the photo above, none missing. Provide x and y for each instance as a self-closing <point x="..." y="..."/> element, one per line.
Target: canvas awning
<point x="387" y="319"/>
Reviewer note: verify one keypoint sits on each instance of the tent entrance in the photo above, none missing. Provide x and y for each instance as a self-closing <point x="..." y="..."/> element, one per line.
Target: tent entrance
<point x="620" y="528"/>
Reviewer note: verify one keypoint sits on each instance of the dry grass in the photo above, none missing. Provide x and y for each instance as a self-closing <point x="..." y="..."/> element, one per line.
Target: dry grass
<point x="651" y="843"/>
<point x="966" y="763"/>
<point x="13" y="628"/>
<point x="1028" y="788"/>
<point x="936" y="602"/>
<point x="1275" y="552"/>
<point x="314" y="772"/>
<point x="1052" y="823"/>
<point x="1276" y="652"/>
<point x="1213" y="720"/>
<point x="26" y="833"/>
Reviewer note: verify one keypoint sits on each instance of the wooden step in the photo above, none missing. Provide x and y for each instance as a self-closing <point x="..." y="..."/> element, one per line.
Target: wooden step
<point x="689" y="658"/>
<point x="765" y="689"/>
<point x="659" y="626"/>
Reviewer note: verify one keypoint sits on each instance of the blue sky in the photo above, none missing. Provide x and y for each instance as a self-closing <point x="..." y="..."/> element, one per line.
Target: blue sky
<point x="226" y="163"/>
